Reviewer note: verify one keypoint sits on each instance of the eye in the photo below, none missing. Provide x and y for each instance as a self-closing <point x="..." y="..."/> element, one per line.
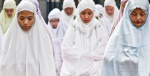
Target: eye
<point x="30" y="18"/>
<point x="6" y="10"/>
<point x="83" y="13"/>
<point x="143" y="14"/>
<point x="90" y="13"/>
<point x="21" y="18"/>
<point x="11" y="10"/>
<point x="133" y="13"/>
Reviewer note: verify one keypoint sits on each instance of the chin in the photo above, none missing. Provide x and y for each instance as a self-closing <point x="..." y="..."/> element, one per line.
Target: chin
<point x="138" y="25"/>
<point x="9" y="16"/>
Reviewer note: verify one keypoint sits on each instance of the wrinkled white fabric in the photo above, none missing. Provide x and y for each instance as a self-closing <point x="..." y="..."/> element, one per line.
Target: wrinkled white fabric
<point x="65" y="17"/>
<point x="100" y="9"/>
<point x="57" y="37"/>
<point x="116" y="11"/>
<point x="127" y="52"/>
<point x="1" y="39"/>
<point x="83" y="45"/>
<point x="27" y="53"/>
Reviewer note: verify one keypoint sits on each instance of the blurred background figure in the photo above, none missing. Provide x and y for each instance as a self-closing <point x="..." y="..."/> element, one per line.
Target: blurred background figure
<point x="118" y="18"/>
<point x="7" y="14"/>
<point x="111" y="10"/>
<point x="68" y="11"/>
<point x="58" y="28"/>
<point x="101" y="11"/>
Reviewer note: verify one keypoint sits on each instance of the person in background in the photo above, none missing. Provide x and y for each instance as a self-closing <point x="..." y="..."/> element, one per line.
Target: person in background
<point x="27" y="49"/>
<point x="84" y="43"/>
<point x="118" y="18"/>
<point x="100" y="10"/>
<point x="68" y="11"/>
<point x="7" y="14"/>
<point x="127" y="52"/>
<point x="58" y="28"/>
<point x="111" y="10"/>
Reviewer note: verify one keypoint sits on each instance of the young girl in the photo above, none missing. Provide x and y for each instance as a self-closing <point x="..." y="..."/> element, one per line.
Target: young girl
<point x="58" y="28"/>
<point x="27" y="48"/>
<point x="111" y="10"/>
<point x="84" y="43"/>
<point x="68" y="11"/>
<point x="127" y="52"/>
<point x="7" y="14"/>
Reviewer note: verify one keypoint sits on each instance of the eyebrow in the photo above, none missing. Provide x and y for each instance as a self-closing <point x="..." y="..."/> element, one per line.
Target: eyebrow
<point x="142" y="12"/>
<point x="133" y="12"/>
<point x="30" y="16"/>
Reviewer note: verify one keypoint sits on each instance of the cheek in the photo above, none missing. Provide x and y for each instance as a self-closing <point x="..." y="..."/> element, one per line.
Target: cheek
<point x="72" y="11"/>
<point x="82" y="17"/>
<point x="91" y="16"/>
<point x="66" y="11"/>
<point x="132" y="19"/>
<point x="143" y="19"/>
<point x="112" y="11"/>
<point x="31" y="23"/>
<point x="107" y="11"/>
<point x="57" y="23"/>
<point x="12" y="12"/>
<point x="20" y="23"/>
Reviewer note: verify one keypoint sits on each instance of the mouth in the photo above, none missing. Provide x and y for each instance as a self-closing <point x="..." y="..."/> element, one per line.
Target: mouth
<point x="86" y="20"/>
<point x="25" y="27"/>
<point x="138" y="22"/>
<point x="69" y="13"/>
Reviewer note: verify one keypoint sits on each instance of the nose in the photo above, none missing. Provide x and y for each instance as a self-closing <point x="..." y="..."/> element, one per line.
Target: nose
<point x="138" y="17"/>
<point x="86" y="16"/>
<point x="9" y="13"/>
<point x="68" y="11"/>
<point x="109" y="11"/>
<point x="26" y="22"/>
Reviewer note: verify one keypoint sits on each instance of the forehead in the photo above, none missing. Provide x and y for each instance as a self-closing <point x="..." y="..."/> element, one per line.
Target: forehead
<point x="109" y="7"/>
<point x="54" y="18"/>
<point x="87" y="10"/>
<point x="25" y="13"/>
<point x="138" y="10"/>
<point x="9" y="9"/>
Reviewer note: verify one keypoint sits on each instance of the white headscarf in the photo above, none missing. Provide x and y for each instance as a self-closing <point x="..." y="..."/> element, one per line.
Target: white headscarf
<point x="57" y="36"/>
<point x="27" y="53"/>
<point x="101" y="10"/>
<point x="83" y="46"/>
<point x="116" y="11"/>
<point x="68" y="3"/>
<point x="127" y="52"/>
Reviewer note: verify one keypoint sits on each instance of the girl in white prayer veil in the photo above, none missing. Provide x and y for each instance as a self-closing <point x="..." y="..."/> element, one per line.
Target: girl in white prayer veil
<point x="128" y="49"/>
<point x="111" y="10"/>
<point x="68" y="11"/>
<point x="84" y="43"/>
<point x="27" y="48"/>
<point x="58" y="29"/>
